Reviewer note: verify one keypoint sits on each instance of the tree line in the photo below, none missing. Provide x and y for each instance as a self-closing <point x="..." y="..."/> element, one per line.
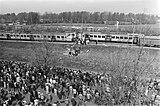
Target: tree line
<point x="109" y="18"/>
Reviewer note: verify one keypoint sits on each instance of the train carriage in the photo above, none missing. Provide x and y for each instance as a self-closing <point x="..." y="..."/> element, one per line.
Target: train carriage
<point x="151" y="41"/>
<point x="64" y="37"/>
<point x="59" y="37"/>
<point x="120" y="37"/>
<point x="97" y="36"/>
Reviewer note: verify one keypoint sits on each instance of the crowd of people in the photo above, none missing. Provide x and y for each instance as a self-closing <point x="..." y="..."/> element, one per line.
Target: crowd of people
<point x="22" y="84"/>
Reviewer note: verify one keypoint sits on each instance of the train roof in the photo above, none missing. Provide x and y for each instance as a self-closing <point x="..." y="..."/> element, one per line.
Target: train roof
<point x="94" y="32"/>
<point x="118" y="32"/>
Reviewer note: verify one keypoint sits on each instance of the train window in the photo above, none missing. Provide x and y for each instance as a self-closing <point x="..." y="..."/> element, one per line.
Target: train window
<point x="103" y="36"/>
<point x="48" y="36"/>
<point x="24" y="35"/>
<point x="44" y="36"/>
<point x="73" y="34"/>
<point x="91" y="35"/>
<point x="21" y="35"/>
<point x="10" y="35"/>
<point x="27" y="35"/>
<point x="14" y="35"/>
<point x="130" y="37"/>
<point x="17" y="35"/>
<point x="125" y="37"/>
<point x="35" y="36"/>
<point x="38" y="36"/>
<point x="62" y="36"/>
<point x="99" y="36"/>
<point x="121" y="37"/>
<point x="113" y="37"/>
<point x="117" y="37"/>
<point x="95" y="36"/>
<point x="2" y="34"/>
<point x="58" y="36"/>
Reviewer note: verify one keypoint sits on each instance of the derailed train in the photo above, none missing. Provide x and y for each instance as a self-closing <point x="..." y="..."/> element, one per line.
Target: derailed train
<point x="120" y="37"/>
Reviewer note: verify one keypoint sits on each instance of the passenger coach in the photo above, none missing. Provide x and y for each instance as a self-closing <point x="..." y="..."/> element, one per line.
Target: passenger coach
<point x="115" y="37"/>
<point x="150" y="41"/>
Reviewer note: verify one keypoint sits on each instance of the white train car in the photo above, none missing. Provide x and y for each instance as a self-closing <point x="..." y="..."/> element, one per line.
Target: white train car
<point x="118" y="36"/>
<point x="63" y="37"/>
<point x="126" y="38"/>
<point x="122" y="38"/>
<point x="60" y="37"/>
<point x="97" y="36"/>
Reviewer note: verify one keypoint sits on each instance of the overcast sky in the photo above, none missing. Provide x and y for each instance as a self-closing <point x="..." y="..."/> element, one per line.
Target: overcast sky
<point x="42" y="6"/>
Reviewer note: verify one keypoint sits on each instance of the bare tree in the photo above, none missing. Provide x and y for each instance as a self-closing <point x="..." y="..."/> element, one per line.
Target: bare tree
<point x="41" y="53"/>
<point x="2" y="50"/>
<point x="126" y="69"/>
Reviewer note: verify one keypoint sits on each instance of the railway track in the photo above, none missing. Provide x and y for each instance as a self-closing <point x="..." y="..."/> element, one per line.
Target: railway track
<point x="107" y="44"/>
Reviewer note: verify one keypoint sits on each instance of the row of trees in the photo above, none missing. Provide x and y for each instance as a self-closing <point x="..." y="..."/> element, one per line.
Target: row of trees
<point x="99" y="17"/>
<point x="79" y="17"/>
<point x="23" y="17"/>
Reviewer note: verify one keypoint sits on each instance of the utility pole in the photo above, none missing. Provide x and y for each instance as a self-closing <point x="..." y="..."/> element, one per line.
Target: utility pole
<point x="133" y="29"/>
<point x="82" y="21"/>
<point x="142" y="17"/>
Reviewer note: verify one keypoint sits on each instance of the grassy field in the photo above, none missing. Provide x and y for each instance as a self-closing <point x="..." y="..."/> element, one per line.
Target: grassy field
<point x="147" y="29"/>
<point x="92" y="58"/>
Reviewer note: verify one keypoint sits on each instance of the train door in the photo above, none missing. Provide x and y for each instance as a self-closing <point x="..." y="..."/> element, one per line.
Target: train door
<point x="86" y="39"/>
<point x="108" y="38"/>
<point x="31" y="37"/>
<point x="8" y="36"/>
<point x="53" y="39"/>
<point x="135" y="40"/>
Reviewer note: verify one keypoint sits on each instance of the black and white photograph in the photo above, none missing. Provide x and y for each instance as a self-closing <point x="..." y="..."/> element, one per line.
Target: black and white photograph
<point x="79" y="52"/>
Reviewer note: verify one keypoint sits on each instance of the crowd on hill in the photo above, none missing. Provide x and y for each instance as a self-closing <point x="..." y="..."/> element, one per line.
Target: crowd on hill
<point x="22" y="84"/>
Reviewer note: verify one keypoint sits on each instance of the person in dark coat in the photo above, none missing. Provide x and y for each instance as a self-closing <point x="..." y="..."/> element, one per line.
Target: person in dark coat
<point x="73" y="101"/>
